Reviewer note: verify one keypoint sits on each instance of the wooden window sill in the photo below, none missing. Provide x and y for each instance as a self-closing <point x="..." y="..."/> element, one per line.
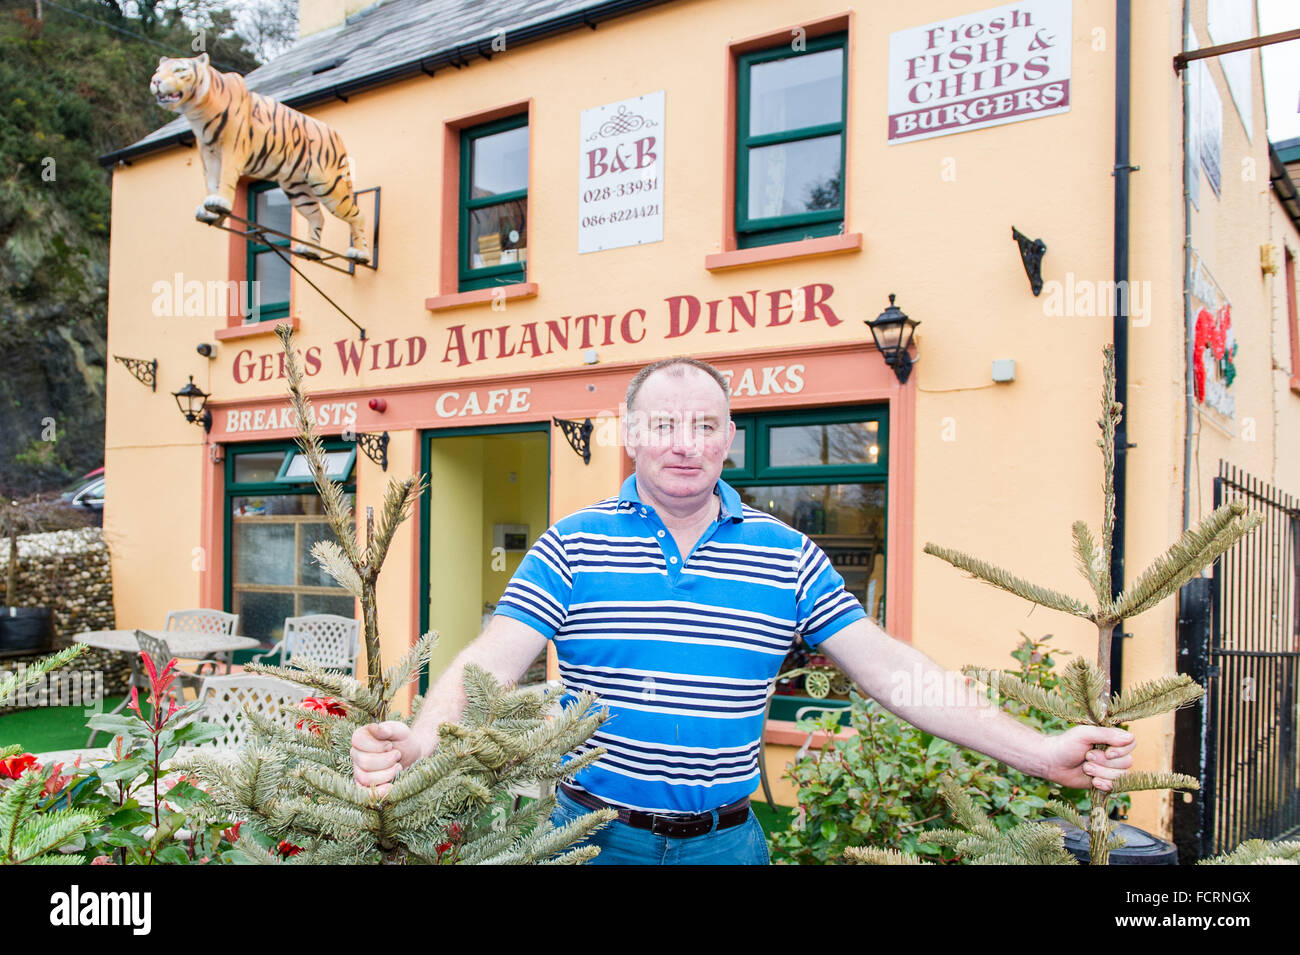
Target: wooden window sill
<point x="803" y="249"/>
<point x="439" y="303"/>
<point x="253" y="330"/>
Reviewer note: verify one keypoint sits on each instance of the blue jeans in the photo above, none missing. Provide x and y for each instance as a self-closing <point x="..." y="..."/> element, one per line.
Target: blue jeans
<point x="621" y="844"/>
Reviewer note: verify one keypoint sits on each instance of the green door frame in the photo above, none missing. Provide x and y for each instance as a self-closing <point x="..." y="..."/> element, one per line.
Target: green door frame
<point x="427" y="438"/>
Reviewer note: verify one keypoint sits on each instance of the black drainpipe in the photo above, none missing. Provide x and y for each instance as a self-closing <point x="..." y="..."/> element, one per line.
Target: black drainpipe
<point x="1121" y="173"/>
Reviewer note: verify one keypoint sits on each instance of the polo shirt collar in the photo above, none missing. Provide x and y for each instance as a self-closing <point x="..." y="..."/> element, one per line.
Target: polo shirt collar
<point x="731" y="503"/>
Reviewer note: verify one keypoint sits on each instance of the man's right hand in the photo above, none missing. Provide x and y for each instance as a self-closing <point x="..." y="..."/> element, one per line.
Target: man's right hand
<point x="380" y="751"/>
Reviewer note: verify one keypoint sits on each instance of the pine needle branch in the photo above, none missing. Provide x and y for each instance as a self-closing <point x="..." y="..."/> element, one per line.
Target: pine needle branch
<point x="11" y="684"/>
<point x="1086" y="686"/>
<point x="1033" y="695"/>
<point x="1138" y="780"/>
<point x="1089" y="561"/>
<point x="1185" y="559"/>
<point x="1157" y="696"/>
<point x="1004" y="580"/>
<point x="337" y="510"/>
<point x="870" y="855"/>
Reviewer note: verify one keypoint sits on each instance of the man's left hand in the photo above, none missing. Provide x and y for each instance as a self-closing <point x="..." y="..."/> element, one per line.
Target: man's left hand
<point x="1071" y="760"/>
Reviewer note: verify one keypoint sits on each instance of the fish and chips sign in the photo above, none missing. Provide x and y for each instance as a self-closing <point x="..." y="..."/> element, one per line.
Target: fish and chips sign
<point x="982" y="69"/>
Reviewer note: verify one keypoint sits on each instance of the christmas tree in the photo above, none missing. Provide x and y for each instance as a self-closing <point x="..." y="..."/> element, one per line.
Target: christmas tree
<point x="1084" y="695"/>
<point x="295" y="785"/>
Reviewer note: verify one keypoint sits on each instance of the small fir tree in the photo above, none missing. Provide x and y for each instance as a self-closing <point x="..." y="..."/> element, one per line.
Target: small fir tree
<point x="1084" y="694"/>
<point x="296" y="785"/>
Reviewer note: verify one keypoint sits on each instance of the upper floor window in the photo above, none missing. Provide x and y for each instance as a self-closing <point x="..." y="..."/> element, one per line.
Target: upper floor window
<point x="494" y="203"/>
<point x="268" y="274"/>
<point x="790" y="130"/>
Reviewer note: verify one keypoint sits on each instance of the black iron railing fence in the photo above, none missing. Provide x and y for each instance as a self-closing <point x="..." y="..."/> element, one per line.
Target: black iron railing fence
<point x="1239" y="635"/>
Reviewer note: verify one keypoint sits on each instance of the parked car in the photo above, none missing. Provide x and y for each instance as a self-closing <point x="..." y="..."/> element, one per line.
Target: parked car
<point x="91" y="497"/>
<point x="79" y="485"/>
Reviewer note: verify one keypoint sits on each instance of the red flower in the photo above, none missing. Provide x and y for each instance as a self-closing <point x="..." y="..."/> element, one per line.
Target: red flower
<point x="286" y="849"/>
<point x="321" y="704"/>
<point x="454" y="834"/>
<point x="102" y="860"/>
<point x="232" y="833"/>
<point x="15" y="766"/>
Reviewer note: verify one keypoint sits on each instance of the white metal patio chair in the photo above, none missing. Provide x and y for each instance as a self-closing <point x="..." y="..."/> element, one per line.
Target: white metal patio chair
<point x="326" y="639"/>
<point x="225" y="697"/>
<point x="204" y="620"/>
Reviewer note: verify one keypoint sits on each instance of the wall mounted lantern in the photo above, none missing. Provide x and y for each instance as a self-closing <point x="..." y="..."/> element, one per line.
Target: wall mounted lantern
<point x="892" y="331"/>
<point x="192" y="401"/>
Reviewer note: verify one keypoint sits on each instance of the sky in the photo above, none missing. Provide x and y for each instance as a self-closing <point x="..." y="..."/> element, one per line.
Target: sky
<point x="1281" y="68"/>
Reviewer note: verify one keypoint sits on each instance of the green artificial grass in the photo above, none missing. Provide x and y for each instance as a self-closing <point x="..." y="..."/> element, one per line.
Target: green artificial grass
<point x="45" y="728"/>
<point x="771" y="818"/>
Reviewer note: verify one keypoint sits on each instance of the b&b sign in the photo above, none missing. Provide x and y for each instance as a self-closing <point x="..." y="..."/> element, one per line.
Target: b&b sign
<point x="621" y="174"/>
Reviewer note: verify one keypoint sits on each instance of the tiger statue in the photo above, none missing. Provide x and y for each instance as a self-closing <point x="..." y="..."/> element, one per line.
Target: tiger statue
<point x="243" y="133"/>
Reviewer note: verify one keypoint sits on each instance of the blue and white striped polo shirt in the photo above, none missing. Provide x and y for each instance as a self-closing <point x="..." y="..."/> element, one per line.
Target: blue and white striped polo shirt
<point x="681" y="651"/>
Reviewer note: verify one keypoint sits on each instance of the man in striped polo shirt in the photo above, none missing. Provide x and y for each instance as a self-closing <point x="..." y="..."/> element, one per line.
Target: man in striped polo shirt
<point x="676" y="604"/>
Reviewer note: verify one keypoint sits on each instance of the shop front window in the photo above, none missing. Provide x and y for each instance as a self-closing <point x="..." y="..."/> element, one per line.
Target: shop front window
<point x="271" y="525"/>
<point x="824" y="473"/>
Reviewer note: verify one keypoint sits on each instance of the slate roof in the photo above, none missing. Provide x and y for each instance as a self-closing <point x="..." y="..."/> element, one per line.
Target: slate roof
<point x="395" y="39"/>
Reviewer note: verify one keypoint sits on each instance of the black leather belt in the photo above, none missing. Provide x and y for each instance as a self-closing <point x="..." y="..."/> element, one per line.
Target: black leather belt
<point x="678" y="825"/>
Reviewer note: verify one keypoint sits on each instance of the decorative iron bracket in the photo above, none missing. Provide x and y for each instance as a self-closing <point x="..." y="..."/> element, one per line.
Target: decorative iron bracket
<point x="578" y="434"/>
<point x="1031" y="254"/>
<point x="375" y="447"/>
<point x="146" y="372"/>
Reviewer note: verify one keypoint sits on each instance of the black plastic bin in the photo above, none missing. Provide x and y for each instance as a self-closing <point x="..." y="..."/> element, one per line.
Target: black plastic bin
<point x="1140" y="847"/>
<point x="26" y="628"/>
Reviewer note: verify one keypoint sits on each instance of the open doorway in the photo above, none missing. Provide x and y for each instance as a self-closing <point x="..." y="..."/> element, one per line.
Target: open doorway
<point x="488" y="501"/>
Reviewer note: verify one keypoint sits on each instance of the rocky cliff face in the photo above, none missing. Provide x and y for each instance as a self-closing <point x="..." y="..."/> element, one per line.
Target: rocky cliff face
<point x="73" y="86"/>
<point x="53" y="321"/>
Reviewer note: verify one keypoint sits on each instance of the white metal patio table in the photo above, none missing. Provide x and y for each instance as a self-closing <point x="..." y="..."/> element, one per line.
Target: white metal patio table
<point x="187" y="644"/>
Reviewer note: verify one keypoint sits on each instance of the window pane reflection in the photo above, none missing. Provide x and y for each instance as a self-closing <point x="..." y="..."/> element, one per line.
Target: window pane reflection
<point x="273" y="574"/>
<point x="849" y="442"/>
<point x="847" y="521"/>
<point x="803" y="176"/>
<point x="796" y="92"/>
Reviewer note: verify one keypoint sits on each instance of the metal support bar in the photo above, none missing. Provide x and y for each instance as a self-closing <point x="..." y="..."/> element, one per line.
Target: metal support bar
<point x="146" y="372"/>
<point x="280" y="252"/>
<point x="578" y="434"/>
<point x="375" y="447"/>
<point x="1250" y="43"/>
<point x="256" y="232"/>
<point x="1031" y="255"/>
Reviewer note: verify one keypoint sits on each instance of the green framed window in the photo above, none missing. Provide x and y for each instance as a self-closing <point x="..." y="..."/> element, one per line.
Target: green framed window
<point x="268" y="274"/>
<point x="494" y="203"/>
<point x="270" y="525"/>
<point x="790" y="132"/>
<point x="824" y="472"/>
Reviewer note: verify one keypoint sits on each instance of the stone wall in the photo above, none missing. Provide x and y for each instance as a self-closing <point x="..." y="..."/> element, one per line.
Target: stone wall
<point x="68" y="571"/>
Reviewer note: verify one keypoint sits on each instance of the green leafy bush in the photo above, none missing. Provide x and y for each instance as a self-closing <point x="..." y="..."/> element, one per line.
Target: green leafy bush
<point x="883" y="787"/>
